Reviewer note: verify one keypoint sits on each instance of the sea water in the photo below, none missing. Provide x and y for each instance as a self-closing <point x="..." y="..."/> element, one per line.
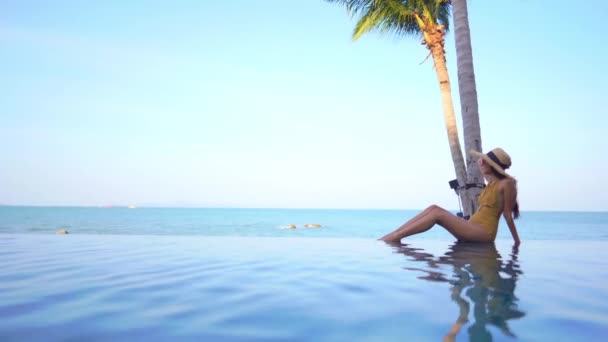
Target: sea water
<point x="272" y="222"/>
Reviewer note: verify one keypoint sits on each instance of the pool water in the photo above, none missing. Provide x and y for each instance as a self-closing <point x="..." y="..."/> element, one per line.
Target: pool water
<point x="221" y="288"/>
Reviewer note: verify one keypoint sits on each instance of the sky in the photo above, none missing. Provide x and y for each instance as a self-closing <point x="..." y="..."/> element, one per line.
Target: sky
<point x="271" y="104"/>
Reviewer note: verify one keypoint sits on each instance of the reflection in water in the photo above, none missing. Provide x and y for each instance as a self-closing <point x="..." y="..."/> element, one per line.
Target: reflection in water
<point x="480" y="279"/>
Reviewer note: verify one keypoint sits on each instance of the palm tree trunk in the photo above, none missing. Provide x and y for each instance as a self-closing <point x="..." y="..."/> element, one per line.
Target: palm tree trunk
<point x="448" y="111"/>
<point x="468" y="100"/>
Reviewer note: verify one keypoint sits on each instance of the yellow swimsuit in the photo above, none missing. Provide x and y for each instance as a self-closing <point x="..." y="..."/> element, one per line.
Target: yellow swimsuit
<point x="489" y="210"/>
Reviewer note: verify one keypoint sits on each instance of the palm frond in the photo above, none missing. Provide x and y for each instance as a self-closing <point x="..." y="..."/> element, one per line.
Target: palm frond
<point x="444" y="13"/>
<point x="440" y="11"/>
<point x="369" y="21"/>
<point x="396" y="17"/>
<point x="388" y="16"/>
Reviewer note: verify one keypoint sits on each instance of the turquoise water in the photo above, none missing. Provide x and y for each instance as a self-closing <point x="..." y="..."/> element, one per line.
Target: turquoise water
<point x="236" y="275"/>
<point x="268" y="222"/>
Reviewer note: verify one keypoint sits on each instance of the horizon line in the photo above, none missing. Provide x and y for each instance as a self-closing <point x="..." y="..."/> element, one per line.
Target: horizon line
<point x="152" y="206"/>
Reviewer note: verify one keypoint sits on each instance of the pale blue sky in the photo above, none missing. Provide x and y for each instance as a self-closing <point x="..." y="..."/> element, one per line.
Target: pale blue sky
<point x="270" y="104"/>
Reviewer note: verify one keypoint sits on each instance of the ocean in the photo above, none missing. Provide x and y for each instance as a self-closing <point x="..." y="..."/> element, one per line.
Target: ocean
<point x="163" y="274"/>
<point x="272" y="222"/>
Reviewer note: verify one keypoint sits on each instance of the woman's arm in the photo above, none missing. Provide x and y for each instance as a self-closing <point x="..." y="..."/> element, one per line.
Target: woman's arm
<point x="509" y="198"/>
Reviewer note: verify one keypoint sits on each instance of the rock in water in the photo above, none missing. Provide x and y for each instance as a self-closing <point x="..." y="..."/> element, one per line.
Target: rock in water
<point x="291" y="226"/>
<point x="62" y="231"/>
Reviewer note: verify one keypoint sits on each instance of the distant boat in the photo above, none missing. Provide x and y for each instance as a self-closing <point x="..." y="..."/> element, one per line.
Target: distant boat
<point x="132" y="206"/>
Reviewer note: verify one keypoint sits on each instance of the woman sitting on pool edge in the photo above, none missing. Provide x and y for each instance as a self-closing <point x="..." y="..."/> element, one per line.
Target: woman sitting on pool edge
<point x="498" y="197"/>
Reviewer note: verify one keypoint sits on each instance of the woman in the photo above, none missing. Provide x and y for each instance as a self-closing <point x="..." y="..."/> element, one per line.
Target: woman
<point x="498" y="197"/>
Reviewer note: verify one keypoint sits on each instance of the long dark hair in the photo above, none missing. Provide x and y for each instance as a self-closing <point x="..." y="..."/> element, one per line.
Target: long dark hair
<point x="516" y="206"/>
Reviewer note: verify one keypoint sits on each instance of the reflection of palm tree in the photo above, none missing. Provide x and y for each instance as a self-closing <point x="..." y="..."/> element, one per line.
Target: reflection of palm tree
<point x="479" y="270"/>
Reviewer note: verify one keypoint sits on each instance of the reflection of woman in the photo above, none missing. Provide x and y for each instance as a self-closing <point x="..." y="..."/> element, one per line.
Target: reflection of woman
<point x="498" y="197"/>
<point x="477" y="269"/>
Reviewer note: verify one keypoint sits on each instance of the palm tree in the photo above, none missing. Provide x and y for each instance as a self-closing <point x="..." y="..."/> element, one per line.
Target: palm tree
<point x="468" y="99"/>
<point x="429" y="20"/>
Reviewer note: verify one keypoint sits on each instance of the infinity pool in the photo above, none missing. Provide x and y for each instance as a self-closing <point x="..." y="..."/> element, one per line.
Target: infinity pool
<point x="126" y="287"/>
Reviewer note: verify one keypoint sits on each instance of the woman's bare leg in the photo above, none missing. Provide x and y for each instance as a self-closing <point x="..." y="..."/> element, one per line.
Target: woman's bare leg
<point x="461" y="229"/>
<point x="419" y="223"/>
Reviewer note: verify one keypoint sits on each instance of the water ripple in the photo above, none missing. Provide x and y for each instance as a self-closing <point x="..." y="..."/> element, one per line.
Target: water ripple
<point x="170" y="287"/>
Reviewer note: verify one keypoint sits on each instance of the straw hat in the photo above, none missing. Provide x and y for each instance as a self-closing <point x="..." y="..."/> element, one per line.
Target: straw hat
<point x="498" y="159"/>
